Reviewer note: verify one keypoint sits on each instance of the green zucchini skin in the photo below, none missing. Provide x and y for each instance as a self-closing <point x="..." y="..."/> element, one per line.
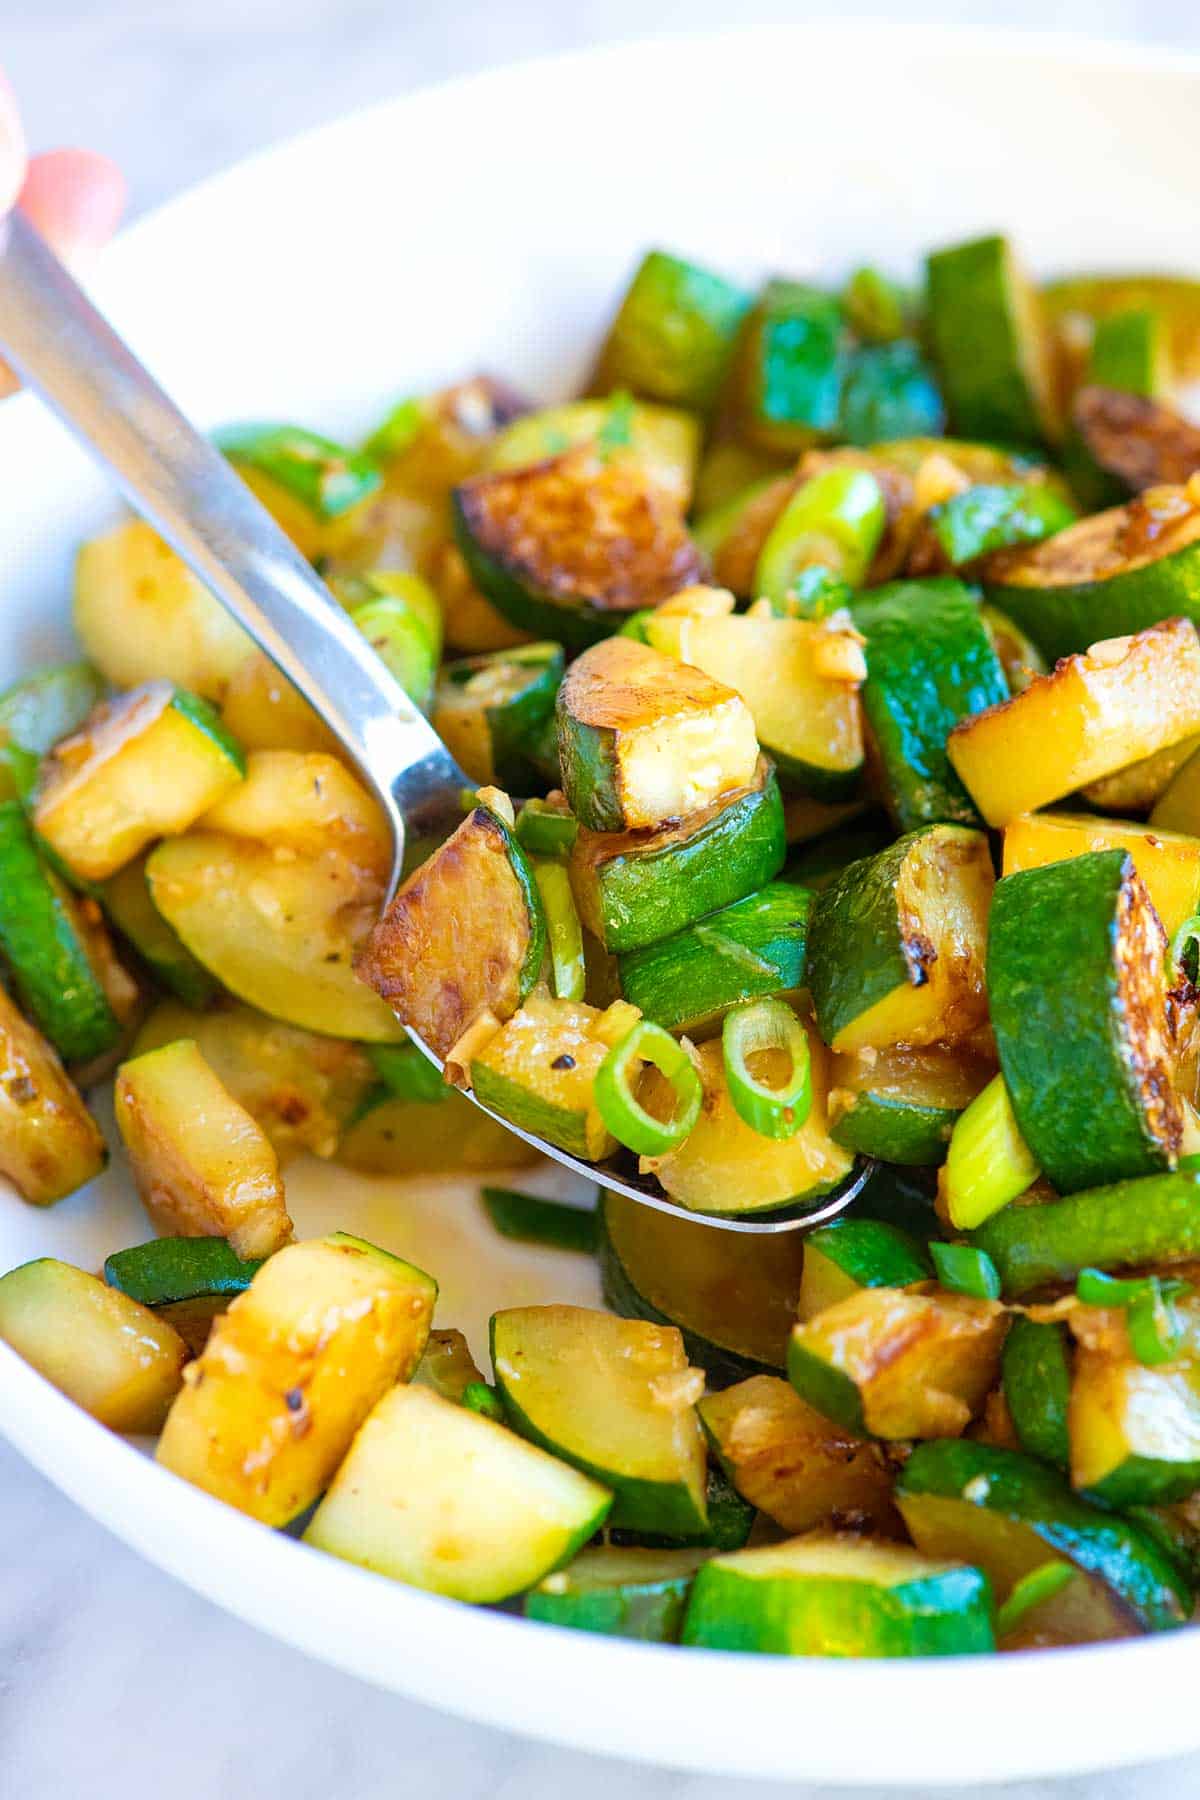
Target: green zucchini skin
<point x="324" y="477"/>
<point x="670" y="879"/>
<point x="406" y="1073"/>
<point x="35" y="714"/>
<point x="942" y="1613"/>
<point x="871" y="1253"/>
<point x="530" y="1219"/>
<point x="169" y="1270"/>
<point x="1065" y="617"/>
<point x="896" y="1131"/>
<point x="730" y="1521"/>
<point x="51" y="970"/>
<point x="996" y="517"/>
<point x="1124" y="1226"/>
<point x="126" y="899"/>
<point x="674" y="333"/>
<point x="930" y="663"/>
<point x="826" y="1389"/>
<point x="1127" y="354"/>
<point x="789" y="367"/>
<point x="1007" y="1482"/>
<point x="981" y="344"/>
<point x="1066" y="1045"/>
<point x="642" y="1596"/>
<point x="515" y="725"/>
<point x="1036" y="1376"/>
<point x="890" y="392"/>
<point x="746" y="951"/>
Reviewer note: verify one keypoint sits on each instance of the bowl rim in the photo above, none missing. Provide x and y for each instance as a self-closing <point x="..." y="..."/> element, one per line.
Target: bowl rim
<point x="254" y="1573"/>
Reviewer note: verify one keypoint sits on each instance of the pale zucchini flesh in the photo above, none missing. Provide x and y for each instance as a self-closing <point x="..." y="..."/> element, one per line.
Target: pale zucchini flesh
<point x="49" y="1142"/>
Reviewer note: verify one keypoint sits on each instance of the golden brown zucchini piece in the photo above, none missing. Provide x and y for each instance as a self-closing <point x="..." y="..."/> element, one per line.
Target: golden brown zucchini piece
<point x="799" y="1468"/>
<point x="464" y="936"/>
<point x="643" y="737"/>
<point x="203" y="1166"/>
<point x="292" y="1369"/>
<point x="308" y="804"/>
<point x="49" y="1142"/>
<point x="265" y="712"/>
<point x="1108" y="706"/>
<point x="1142" y="443"/>
<point x="569" y="547"/>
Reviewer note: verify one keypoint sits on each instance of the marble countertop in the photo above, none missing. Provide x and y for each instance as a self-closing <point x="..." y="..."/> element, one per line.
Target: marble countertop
<point x="114" y="1680"/>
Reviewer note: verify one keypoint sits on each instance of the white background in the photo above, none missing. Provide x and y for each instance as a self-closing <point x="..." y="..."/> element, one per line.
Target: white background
<point x="113" y="1680"/>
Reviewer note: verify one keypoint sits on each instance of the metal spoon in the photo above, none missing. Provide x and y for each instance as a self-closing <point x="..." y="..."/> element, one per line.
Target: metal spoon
<point x="63" y="348"/>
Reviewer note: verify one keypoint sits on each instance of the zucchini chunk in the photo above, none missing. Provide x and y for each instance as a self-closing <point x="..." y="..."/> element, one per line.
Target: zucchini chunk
<point x="1168" y="862"/>
<point x="539" y="1070"/>
<point x="785" y="386"/>
<point x="489" y="711"/>
<point x="615" y="1398"/>
<point x="464" y="936"/>
<point x="800" y="1469"/>
<point x="141" y="615"/>
<point x="1132" y="442"/>
<point x="49" y="948"/>
<point x="930" y="664"/>
<point x="889" y="391"/>
<point x="848" y="1255"/>
<point x="185" y="1280"/>
<point x="1140" y="785"/>
<point x="279" y="932"/>
<point x="674" y="333"/>
<point x="142" y="767"/>
<point x="307" y="804"/>
<point x="663" y="441"/>
<point x="725" y="1167"/>
<point x="977" y="520"/>
<point x="990" y="343"/>
<point x="1037" y="1387"/>
<point x="1076" y="974"/>
<point x="893" y="1363"/>
<point x="435" y="1495"/>
<point x="799" y="679"/>
<point x="301" y="1087"/>
<point x="569" y="547"/>
<point x="897" y="942"/>
<point x="1109" y="706"/>
<point x="746" y="951"/>
<point x="49" y="1142"/>
<point x="643" y="738"/>
<point x="1176" y="807"/>
<point x="732" y="1296"/>
<point x="438" y="1135"/>
<point x="1078" y="303"/>
<point x="292" y="1369"/>
<point x="630" y="1593"/>
<point x="900" y="1104"/>
<point x="633" y="888"/>
<point x="119" y="1361"/>
<point x="1134" y="1431"/>
<point x="1114" y="573"/>
<point x="1011" y="1515"/>
<point x="263" y="711"/>
<point x="837" y="1594"/>
<point x="125" y="897"/>
<point x="35" y="713"/>
<point x="1128" y="1225"/>
<point x="307" y="482"/>
<point x="203" y="1166"/>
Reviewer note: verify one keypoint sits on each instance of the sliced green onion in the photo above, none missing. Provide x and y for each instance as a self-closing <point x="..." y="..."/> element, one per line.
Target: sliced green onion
<point x="1094" y="1288"/>
<point x="529" y="1219"/>
<point x="1041" y="1584"/>
<point x="407" y="1073"/>
<point x="988" y="1162"/>
<point x="815" y="593"/>
<point x="478" y="1397"/>
<point x="398" y="431"/>
<point x="1185" y="949"/>
<point x="962" y="1269"/>
<point x="625" y="1117"/>
<point x="773" y="1112"/>
<point x="1155" y="1331"/>
<point x="564" y="934"/>
<point x="992" y="516"/>
<point x="546" y="830"/>
<point x="836" y="519"/>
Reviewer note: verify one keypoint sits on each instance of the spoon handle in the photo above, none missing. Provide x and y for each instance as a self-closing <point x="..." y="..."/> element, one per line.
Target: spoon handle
<point x="63" y="348"/>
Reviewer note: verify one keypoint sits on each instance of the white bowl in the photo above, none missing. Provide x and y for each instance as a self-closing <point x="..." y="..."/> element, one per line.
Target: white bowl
<point x="490" y="223"/>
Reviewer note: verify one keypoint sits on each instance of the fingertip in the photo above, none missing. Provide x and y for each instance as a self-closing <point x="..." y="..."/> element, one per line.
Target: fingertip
<point x="74" y="197"/>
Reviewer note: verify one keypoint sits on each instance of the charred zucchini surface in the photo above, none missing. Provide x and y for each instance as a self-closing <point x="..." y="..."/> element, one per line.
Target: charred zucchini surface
<point x="568" y="547"/>
<point x="476" y="890"/>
